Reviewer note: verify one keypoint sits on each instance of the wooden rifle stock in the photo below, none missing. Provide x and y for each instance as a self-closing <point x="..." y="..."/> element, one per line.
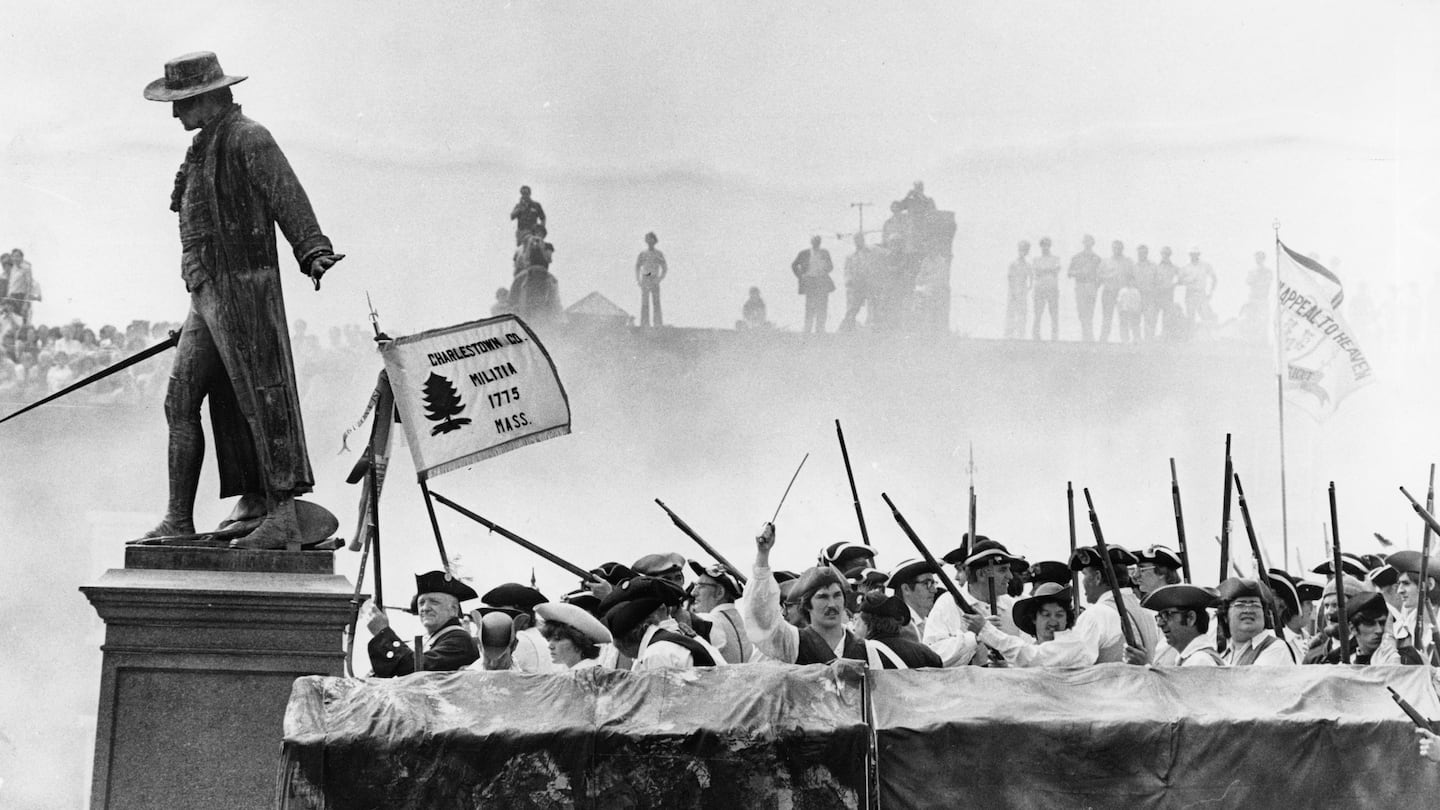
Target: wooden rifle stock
<point x="960" y="600"/>
<point x="1262" y="571"/>
<point x="1341" y="624"/>
<point x="1109" y="568"/>
<point x="700" y="541"/>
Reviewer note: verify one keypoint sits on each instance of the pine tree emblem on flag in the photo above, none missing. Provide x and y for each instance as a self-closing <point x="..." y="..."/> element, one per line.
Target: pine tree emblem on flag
<point x="442" y="404"/>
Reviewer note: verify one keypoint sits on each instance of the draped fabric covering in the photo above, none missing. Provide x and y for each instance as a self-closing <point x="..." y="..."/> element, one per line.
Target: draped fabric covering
<point x="772" y="735"/>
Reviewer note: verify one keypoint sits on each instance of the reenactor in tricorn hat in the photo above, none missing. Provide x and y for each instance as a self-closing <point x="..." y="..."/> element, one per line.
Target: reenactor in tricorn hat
<point x="715" y="593"/>
<point x="1367" y="615"/>
<point x="1183" y="616"/>
<point x="820" y="592"/>
<point x="915" y="581"/>
<point x="1049" y="609"/>
<point x="1156" y="567"/>
<point x="989" y="568"/>
<point x="532" y="651"/>
<point x="448" y="645"/>
<point x="1097" y="636"/>
<point x="1245" y="605"/>
<point x="640" y="616"/>
<point x="847" y="557"/>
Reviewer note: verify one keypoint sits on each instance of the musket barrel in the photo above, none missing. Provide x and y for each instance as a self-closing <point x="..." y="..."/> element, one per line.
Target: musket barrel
<point x="1179" y="521"/>
<point x="1074" y="575"/>
<point x="1341" y="624"/>
<point x="850" y="476"/>
<point x="515" y="538"/>
<point x="1424" y="583"/>
<point x="1109" y="568"/>
<point x="700" y="541"/>
<point x="960" y="600"/>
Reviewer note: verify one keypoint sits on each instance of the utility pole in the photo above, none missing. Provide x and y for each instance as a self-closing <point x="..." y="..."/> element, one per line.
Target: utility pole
<point x="861" y="207"/>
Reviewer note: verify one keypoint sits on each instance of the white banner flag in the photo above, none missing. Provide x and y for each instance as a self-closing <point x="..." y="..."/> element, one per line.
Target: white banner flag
<point x="473" y="391"/>
<point x="1323" y="363"/>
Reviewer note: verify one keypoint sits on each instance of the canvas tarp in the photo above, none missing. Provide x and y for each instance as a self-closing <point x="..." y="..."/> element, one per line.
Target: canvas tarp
<point x="595" y="738"/>
<point x="1116" y="735"/>
<point x="770" y="735"/>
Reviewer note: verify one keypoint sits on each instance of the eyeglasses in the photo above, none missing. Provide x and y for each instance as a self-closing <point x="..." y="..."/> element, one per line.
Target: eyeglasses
<point x="1247" y="604"/>
<point x="1168" y="614"/>
<point x="928" y="582"/>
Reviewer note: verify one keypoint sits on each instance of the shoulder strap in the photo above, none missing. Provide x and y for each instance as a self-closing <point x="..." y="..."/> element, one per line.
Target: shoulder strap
<point x="697" y="650"/>
<point x="1254" y="652"/>
<point x="875" y="651"/>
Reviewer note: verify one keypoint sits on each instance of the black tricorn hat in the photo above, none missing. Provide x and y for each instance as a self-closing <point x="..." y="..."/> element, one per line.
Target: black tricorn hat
<point x="1089" y="556"/>
<point x="188" y="76"/>
<point x="514" y="595"/>
<point x="440" y="582"/>
<point x="1049" y="571"/>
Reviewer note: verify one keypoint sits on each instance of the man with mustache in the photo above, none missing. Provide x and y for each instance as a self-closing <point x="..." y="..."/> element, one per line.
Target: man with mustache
<point x="821" y="592"/>
<point x="448" y="646"/>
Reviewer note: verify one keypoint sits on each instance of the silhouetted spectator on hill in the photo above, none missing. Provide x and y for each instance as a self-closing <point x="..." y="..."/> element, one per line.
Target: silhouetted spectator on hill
<point x="1046" y="269"/>
<point x="1085" y="269"/>
<point x="752" y="312"/>
<point x="1018" y="279"/>
<point x="650" y="270"/>
<point x="1199" y="280"/>
<point x="1167" y="280"/>
<point x="860" y="283"/>
<point x="1114" y="270"/>
<point x="527" y="214"/>
<point x="502" y="302"/>
<point x="812" y="269"/>
<point x="21" y="289"/>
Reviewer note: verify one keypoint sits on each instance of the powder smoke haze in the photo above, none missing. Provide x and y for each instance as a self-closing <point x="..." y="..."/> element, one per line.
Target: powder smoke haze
<point x="735" y="134"/>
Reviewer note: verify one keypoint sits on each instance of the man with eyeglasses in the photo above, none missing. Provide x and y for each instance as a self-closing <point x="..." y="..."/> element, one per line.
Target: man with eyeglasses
<point x="715" y="593"/>
<point x="915" y="582"/>
<point x="1182" y="615"/>
<point x="1251" y="642"/>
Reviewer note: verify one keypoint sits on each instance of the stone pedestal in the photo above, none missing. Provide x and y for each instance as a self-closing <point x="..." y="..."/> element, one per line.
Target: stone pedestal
<point x="201" y="648"/>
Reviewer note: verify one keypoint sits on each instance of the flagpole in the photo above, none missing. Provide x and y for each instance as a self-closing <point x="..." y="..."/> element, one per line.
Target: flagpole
<point x="1280" y="403"/>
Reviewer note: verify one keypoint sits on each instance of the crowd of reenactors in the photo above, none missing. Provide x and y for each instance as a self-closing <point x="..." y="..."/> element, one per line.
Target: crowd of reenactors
<point x="666" y="611"/>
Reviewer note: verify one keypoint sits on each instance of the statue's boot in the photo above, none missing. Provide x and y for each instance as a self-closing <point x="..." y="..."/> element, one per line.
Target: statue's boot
<point x="249" y="507"/>
<point x="170" y="527"/>
<point x="278" y="530"/>
<point x="187" y="453"/>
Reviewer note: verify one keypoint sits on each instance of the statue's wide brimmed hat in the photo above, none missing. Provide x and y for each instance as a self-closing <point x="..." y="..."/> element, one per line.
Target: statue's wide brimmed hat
<point x="188" y="76"/>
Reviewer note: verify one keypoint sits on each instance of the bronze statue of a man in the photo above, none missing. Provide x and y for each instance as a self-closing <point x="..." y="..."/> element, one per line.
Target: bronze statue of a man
<point x="233" y="188"/>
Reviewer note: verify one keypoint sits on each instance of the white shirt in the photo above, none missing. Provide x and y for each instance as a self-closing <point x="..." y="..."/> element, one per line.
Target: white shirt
<point x="532" y="652"/>
<point x="773" y="637"/>
<point x="667" y="654"/>
<point x="1194" y="655"/>
<point x="945" y="631"/>
<point x="1278" y="654"/>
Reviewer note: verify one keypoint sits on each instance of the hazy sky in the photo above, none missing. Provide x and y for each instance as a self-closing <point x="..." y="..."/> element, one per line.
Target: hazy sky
<point x="733" y="130"/>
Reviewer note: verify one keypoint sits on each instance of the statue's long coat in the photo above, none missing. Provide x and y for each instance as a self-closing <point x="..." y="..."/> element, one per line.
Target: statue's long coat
<point x="231" y="268"/>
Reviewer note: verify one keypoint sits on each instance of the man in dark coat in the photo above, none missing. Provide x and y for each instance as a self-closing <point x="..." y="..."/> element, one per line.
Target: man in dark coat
<point x="233" y="188"/>
<point x="448" y="645"/>
<point x="882" y="619"/>
<point x="812" y="269"/>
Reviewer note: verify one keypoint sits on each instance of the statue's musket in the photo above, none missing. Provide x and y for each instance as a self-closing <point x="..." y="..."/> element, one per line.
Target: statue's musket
<point x="945" y="580"/>
<point x="1109" y="568"/>
<point x="1262" y="571"/>
<point x="1341" y="624"/>
<point x="1424" y="582"/>
<point x="164" y="345"/>
<point x="515" y="538"/>
<point x="700" y="541"/>
<point x="1074" y="575"/>
<point x="1179" y="521"/>
<point x="854" y="493"/>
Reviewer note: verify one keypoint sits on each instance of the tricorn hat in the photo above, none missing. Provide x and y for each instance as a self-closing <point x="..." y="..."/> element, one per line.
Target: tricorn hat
<point x="1024" y="610"/>
<point x="907" y="572"/>
<point x="1089" y="557"/>
<point x="659" y="565"/>
<point x="1182" y="597"/>
<point x="879" y="604"/>
<point x="1049" y="571"/>
<point x="514" y="595"/>
<point x="1366" y="607"/>
<point x="188" y="76"/>
<point x="440" y="582"/>
<point x="1161" y="556"/>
